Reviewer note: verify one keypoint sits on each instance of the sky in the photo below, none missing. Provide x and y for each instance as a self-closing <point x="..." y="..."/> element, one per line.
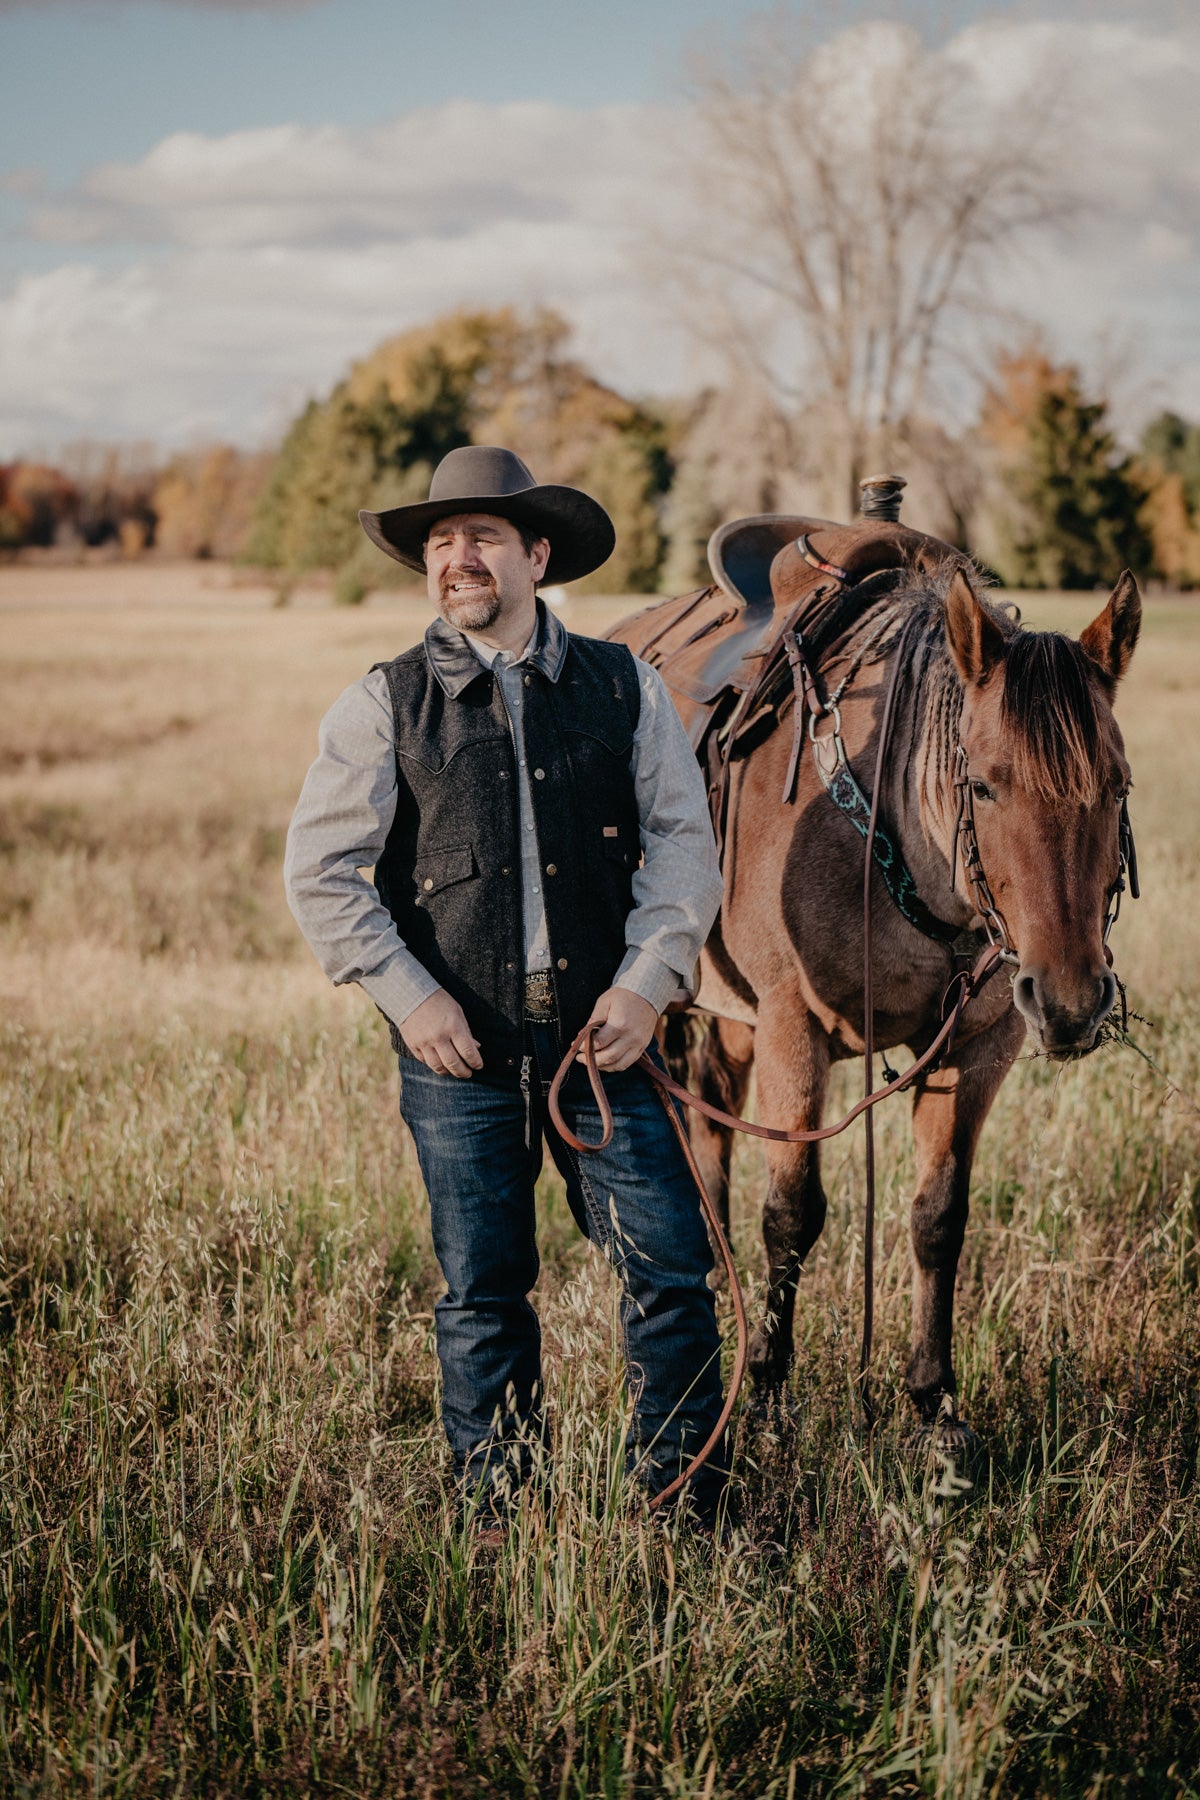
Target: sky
<point x="209" y="209"/>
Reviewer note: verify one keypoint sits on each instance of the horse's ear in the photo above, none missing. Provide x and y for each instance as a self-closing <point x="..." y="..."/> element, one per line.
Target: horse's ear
<point x="976" y="641"/>
<point x="1110" y="638"/>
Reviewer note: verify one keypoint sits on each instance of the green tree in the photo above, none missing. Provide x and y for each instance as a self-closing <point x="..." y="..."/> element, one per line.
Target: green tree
<point x="1076" y="501"/>
<point x="624" y="475"/>
<point x="345" y="453"/>
<point x="471" y="377"/>
<point x="1171" y="463"/>
<point x="1174" y="445"/>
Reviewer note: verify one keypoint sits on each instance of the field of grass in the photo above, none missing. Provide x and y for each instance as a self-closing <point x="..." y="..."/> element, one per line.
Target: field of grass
<point x="228" y="1554"/>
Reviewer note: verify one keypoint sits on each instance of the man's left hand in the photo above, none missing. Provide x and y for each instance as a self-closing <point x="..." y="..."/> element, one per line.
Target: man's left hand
<point x="626" y="1024"/>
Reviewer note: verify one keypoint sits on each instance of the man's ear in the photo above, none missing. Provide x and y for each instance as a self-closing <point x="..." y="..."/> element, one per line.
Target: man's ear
<point x="976" y="641"/>
<point x="1110" y="638"/>
<point x="539" y="557"/>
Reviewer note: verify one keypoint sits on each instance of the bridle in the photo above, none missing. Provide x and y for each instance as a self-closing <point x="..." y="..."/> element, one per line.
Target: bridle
<point x="966" y="851"/>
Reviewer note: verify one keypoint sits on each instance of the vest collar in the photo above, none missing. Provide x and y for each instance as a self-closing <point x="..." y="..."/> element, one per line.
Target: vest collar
<point x="456" y="665"/>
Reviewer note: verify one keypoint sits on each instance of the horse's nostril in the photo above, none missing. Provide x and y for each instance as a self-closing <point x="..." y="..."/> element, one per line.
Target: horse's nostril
<point x="1108" y="995"/>
<point x="1026" y="995"/>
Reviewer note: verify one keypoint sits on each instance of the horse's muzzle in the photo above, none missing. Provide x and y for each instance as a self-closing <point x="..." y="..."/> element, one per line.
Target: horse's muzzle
<point x="1063" y="1019"/>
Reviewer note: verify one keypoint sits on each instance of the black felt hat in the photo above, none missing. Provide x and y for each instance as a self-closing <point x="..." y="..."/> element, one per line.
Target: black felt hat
<point x="480" y="478"/>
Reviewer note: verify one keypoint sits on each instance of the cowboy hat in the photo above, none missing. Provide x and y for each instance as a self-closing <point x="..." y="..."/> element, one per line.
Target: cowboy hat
<point x="480" y="478"/>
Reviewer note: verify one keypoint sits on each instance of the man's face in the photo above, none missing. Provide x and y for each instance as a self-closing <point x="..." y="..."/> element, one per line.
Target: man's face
<point x="478" y="570"/>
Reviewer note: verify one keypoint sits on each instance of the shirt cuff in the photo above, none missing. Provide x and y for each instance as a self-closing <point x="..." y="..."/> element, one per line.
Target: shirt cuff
<point x="400" y="986"/>
<point x="641" y="972"/>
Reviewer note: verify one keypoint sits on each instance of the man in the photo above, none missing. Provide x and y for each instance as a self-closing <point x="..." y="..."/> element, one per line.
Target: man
<point x="542" y="857"/>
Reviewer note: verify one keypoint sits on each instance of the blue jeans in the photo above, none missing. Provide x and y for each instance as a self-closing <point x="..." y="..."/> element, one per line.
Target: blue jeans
<point x="480" y="1150"/>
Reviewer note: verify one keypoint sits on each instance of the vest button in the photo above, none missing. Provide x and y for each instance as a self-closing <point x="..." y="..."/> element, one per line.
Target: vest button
<point x="506" y="871"/>
<point x="552" y="868"/>
<point x="427" y="884"/>
<point x="539" y="774"/>
<point x="562" y="962"/>
<point x="504" y="774"/>
<point x="528" y="680"/>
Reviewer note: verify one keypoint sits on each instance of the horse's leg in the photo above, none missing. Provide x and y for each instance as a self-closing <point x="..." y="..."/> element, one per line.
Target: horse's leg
<point x="720" y="1066"/>
<point x="948" y="1114"/>
<point x="793" y="1068"/>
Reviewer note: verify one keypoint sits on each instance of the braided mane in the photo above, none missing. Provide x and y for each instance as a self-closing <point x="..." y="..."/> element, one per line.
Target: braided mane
<point x="1050" y="706"/>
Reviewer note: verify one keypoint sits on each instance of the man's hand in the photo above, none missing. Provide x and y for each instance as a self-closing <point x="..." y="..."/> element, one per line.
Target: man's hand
<point x="626" y="1023"/>
<point x="438" y="1035"/>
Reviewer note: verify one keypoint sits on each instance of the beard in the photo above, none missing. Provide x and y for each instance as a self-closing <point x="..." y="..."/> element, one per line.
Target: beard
<point x="469" y="612"/>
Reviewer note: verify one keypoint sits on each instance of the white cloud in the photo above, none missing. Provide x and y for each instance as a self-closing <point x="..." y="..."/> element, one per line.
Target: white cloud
<point x="212" y="285"/>
<point x="442" y="172"/>
<point x="278" y="256"/>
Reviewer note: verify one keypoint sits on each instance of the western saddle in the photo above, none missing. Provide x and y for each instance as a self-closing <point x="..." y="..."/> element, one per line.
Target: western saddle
<point x="787" y="592"/>
<point x="722" y="647"/>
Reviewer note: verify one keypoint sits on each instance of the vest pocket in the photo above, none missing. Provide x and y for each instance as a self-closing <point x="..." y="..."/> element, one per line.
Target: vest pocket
<point x="438" y="869"/>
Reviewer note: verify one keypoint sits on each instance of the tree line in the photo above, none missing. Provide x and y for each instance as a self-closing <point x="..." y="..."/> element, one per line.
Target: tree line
<point x="845" y="281"/>
<point x="1038" y="489"/>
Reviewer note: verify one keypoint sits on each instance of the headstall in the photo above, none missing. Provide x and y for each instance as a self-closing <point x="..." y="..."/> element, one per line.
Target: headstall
<point x="967" y="851"/>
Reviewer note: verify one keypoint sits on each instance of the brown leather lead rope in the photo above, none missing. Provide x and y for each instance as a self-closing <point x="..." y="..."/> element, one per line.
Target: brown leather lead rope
<point x="868" y="1330"/>
<point x="964" y="985"/>
<point x="585" y="1043"/>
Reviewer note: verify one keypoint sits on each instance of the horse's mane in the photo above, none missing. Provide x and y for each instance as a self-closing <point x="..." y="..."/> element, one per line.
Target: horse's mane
<point x="1050" y="709"/>
<point x="1049" y="705"/>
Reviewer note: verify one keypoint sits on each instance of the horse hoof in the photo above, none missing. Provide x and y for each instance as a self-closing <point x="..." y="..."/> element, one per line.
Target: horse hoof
<point x="768" y="1369"/>
<point x="771" y="1408"/>
<point x="946" y="1439"/>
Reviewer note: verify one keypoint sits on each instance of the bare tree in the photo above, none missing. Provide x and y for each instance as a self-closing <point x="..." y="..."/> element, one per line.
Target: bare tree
<point x="842" y="204"/>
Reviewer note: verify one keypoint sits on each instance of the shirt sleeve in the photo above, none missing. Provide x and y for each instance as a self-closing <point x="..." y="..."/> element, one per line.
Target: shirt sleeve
<point x="677" y="890"/>
<point x="339" y="828"/>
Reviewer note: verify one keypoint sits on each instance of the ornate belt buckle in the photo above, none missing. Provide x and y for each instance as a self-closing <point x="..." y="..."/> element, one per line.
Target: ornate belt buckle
<point x="539" y="997"/>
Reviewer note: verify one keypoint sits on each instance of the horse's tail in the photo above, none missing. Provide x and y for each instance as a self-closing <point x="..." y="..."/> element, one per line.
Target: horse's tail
<point x="697" y="1055"/>
<point x="682" y="1037"/>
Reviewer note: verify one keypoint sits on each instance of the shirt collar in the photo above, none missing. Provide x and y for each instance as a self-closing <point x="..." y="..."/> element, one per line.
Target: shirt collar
<point x="492" y="658"/>
<point x="456" y="664"/>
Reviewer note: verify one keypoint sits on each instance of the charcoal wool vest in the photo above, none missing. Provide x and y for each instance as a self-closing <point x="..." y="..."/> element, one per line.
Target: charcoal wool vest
<point x="450" y="870"/>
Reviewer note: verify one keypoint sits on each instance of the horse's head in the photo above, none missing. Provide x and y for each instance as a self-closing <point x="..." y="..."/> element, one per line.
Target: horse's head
<point x="1047" y="775"/>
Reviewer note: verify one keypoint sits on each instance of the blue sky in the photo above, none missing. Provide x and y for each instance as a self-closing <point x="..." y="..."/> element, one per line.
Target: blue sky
<point x="105" y="79"/>
<point x="207" y="210"/>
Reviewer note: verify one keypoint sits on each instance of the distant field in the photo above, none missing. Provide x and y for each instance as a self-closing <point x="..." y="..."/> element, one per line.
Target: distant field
<point x="227" y="1562"/>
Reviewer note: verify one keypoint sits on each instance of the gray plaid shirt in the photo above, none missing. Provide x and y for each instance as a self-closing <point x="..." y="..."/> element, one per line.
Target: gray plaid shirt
<point x="348" y="803"/>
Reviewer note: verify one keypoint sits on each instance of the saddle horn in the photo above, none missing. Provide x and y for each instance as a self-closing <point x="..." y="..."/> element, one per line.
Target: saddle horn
<point x="880" y="496"/>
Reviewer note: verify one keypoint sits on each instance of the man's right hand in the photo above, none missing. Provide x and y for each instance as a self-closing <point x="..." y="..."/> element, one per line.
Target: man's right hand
<point x="438" y="1035"/>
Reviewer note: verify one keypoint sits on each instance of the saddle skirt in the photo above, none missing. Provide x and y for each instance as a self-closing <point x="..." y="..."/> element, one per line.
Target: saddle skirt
<point x="716" y="644"/>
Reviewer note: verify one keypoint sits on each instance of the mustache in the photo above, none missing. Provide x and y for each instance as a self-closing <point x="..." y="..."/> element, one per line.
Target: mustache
<point x="482" y="577"/>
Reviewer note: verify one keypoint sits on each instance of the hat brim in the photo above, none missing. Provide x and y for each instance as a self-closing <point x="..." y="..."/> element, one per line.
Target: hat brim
<point x="579" y="531"/>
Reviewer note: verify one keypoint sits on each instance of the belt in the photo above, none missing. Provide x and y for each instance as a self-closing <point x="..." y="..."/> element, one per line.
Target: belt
<point x="540" y="1004"/>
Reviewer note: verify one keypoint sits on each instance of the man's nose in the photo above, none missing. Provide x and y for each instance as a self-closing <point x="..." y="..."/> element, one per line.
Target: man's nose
<point x="466" y="555"/>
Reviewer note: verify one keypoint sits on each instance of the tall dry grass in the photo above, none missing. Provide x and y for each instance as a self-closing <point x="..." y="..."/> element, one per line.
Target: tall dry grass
<point x="229" y="1561"/>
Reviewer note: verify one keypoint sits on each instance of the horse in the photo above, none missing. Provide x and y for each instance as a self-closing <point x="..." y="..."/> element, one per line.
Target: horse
<point x="1003" y="791"/>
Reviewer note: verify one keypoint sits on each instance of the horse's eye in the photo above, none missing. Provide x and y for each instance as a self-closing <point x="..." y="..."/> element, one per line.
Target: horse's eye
<point x="981" y="790"/>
